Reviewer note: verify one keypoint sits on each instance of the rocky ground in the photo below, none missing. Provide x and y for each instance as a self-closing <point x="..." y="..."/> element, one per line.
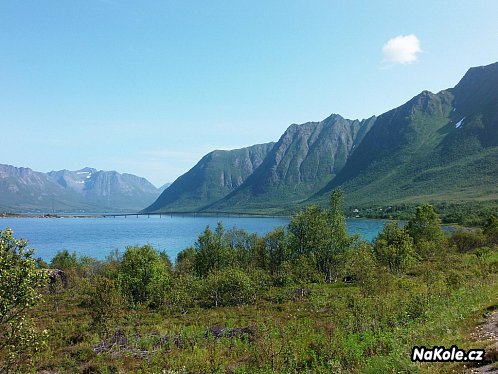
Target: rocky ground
<point x="488" y="333"/>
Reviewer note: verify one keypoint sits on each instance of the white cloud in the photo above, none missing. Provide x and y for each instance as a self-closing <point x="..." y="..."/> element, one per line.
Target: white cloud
<point x="402" y="49"/>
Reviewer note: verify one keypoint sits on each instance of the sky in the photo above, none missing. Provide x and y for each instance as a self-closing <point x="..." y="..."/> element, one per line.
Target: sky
<point x="149" y="87"/>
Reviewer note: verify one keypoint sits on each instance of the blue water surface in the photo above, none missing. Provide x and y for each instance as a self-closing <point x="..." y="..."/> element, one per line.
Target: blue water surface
<point x="97" y="237"/>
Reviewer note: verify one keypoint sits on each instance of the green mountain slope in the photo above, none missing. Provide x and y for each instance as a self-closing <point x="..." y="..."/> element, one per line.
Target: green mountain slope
<point x="215" y="176"/>
<point x="436" y="147"/>
<point x="302" y="162"/>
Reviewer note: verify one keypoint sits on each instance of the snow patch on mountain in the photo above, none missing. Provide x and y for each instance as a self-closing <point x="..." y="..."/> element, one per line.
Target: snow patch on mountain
<point x="459" y="123"/>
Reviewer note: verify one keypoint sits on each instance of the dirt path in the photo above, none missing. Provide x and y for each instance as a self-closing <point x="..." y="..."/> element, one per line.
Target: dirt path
<point x="488" y="332"/>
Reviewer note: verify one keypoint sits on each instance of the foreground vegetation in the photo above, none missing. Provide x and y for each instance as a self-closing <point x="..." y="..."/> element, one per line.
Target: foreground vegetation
<point x="306" y="298"/>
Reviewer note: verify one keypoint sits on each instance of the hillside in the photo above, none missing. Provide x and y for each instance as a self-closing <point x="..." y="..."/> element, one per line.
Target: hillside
<point x="436" y="147"/>
<point x="304" y="160"/>
<point x="213" y="177"/>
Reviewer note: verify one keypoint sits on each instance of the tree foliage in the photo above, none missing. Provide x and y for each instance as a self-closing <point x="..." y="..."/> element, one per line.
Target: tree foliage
<point x="491" y="229"/>
<point x="104" y="303"/>
<point x="64" y="260"/>
<point x="321" y="236"/>
<point x="228" y="287"/>
<point x="210" y="251"/>
<point x="467" y="241"/>
<point x="309" y="232"/>
<point x="394" y="248"/>
<point x="185" y="261"/>
<point x="276" y="249"/>
<point x="426" y="231"/>
<point x="143" y="275"/>
<point x="334" y="258"/>
<point x="20" y="283"/>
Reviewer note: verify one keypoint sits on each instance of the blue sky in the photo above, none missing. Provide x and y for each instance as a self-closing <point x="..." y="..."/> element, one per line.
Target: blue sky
<point x="149" y="87"/>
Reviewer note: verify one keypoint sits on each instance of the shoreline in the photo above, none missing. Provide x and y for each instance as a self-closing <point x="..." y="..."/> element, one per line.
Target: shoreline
<point x="49" y="215"/>
<point x="453" y="226"/>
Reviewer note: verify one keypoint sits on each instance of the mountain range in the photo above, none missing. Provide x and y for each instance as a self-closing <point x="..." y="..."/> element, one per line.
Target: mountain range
<point x="439" y="147"/>
<point x="85" y="190"/>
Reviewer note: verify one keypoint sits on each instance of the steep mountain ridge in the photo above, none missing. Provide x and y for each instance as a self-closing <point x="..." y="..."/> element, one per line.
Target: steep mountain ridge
<point x="304" y="159"/>
<point x="213" y="177"/>
<point x="435" y="147"/>
<point x="397" y="135"/>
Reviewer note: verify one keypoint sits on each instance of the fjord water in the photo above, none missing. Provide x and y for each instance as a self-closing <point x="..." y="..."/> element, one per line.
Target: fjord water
<point x="97" y="237"/>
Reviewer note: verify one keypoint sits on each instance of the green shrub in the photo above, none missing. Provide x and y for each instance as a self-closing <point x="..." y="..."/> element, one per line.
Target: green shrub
<point x="210" y="252"/>
<point x="228" y="287"/>
<point x="394" y="248"/>
<point x="467" y="241"/>
<point x="261" y="280"/>
<point x="185" y="261"/>
<point x="284" y="276"/>
<point x="143" y="276"/>
<point x="184" y="292"/>
<point x="426" y="232"/>
<point x="491" y="230"/>
<point x="104" y="302"/>
<point x="454" y="279"/>
<point x="64" y="260"/>
<point x="305" y="271"/>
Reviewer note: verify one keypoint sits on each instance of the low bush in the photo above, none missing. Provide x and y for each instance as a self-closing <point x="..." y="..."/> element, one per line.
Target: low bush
<point x="467" y="241"/>
<point x="229" y="287"/>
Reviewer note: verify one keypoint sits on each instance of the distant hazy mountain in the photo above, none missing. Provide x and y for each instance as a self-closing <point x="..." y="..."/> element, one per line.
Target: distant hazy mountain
<point x="22" y="189"/>
<point x="215" y="176"/>
<point x="436" y="147"/>
<point x="88" y="190"/>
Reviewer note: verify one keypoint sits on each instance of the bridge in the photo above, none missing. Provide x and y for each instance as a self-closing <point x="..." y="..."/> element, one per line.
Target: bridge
<point x="195" y="214"/>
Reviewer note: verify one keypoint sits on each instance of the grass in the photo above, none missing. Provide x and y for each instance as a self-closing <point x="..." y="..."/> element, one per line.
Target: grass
<point x="332" y="328"/>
